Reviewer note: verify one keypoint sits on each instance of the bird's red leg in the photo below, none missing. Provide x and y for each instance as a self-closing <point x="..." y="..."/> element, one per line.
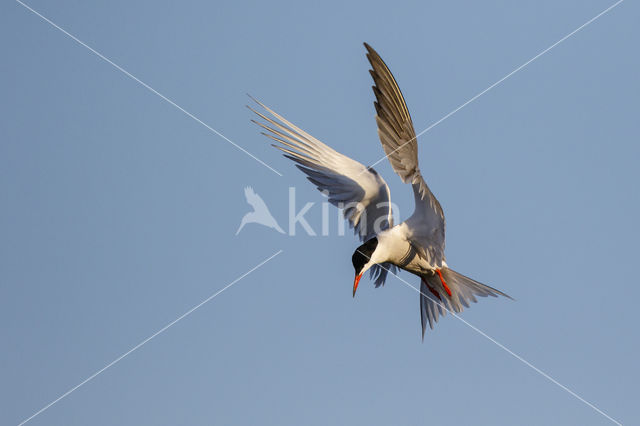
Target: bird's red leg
<point x="435" y="293"/>
<point x="444" y="284"/>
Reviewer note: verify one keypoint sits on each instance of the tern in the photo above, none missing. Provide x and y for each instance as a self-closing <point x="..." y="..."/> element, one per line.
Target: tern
<point x="415" y="245"/>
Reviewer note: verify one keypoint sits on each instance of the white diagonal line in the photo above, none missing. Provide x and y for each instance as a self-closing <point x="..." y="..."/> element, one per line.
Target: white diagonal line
<point x="146" y="86"/>
<point x="503" y="347"/>
<point x="501" y="80"/>
<point x="136" y="347"/>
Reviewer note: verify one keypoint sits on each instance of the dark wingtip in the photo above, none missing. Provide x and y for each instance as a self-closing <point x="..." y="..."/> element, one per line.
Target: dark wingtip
<point x="254" y="100"/>
<point x="502" y="294"/>
<point x="370" y="51"/>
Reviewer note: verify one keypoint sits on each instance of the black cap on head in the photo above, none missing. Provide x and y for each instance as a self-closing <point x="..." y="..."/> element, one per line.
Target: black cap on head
<point x="362" y="255"/>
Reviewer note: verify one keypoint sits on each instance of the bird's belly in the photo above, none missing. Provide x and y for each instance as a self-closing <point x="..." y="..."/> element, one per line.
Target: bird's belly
<point x="410" y="261"/>
<point x="416" y="265"/>
<point x="402" y="253"/>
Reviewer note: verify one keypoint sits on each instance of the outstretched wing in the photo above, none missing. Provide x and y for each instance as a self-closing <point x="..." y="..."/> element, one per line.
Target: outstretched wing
<point x="351" y="186"/>
<point x="400" y="145"/>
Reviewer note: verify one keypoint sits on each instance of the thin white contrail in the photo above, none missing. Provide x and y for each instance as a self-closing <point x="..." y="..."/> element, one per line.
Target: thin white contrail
<point x="145" y="85"/>
<point x="136" y="347"/>
<point x="501" y="80"/>
<point x="503" y="347"/>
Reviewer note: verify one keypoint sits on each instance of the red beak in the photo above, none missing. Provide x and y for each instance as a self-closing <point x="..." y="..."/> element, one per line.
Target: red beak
<point x="355" y="284"/>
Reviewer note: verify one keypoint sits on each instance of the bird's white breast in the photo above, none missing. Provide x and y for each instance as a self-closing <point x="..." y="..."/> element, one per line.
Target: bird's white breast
<point x="394" y="246"/>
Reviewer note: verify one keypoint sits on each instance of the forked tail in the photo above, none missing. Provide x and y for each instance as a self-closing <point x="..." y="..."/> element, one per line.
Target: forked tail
<point x="446" y="290"/>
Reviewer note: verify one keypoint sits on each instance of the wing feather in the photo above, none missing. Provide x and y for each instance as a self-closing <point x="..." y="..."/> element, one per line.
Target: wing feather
<point x="398" y="139"/>
<point x="361" y="192"/>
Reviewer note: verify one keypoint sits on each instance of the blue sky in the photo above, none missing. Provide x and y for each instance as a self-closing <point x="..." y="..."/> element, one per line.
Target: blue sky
<point x="119" y="214"/>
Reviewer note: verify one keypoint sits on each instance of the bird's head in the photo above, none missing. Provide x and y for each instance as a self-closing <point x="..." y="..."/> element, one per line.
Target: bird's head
<point x="363" y="259"/>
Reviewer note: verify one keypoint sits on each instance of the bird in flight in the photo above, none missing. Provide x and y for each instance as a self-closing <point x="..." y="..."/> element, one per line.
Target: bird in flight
<point x="260" y="213"/>
<point x="415" y="245"/>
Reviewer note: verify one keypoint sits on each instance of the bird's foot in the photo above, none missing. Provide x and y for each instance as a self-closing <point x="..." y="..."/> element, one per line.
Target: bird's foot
<point x="444" y="284"/>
